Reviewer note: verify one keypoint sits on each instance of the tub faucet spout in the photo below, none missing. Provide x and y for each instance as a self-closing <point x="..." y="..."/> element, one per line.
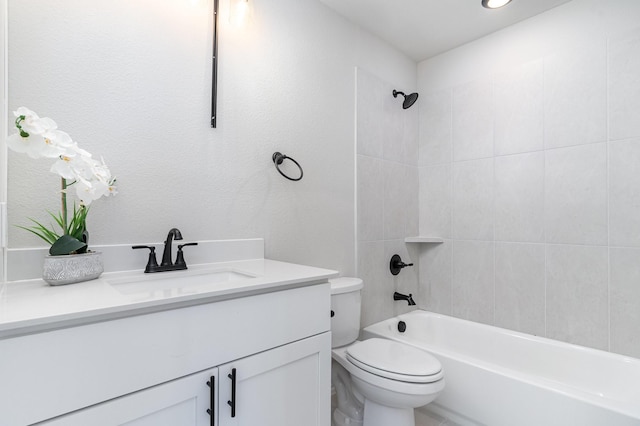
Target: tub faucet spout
<point x="408" y="298"/>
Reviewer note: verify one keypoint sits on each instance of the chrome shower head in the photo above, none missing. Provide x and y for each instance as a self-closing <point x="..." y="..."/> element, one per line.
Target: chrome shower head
<point x="409" y="99"/>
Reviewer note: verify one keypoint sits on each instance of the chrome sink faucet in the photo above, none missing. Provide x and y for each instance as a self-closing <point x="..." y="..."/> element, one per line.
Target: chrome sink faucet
<point x="167" y="264"/>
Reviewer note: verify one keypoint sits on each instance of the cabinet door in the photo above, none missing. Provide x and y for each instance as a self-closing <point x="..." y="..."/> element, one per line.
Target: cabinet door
<point x="286" y="386"/>
<point x="182" y="402"/>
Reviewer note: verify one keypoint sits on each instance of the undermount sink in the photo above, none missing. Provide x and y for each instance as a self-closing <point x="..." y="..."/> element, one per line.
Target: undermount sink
<point x="183" y="282"/>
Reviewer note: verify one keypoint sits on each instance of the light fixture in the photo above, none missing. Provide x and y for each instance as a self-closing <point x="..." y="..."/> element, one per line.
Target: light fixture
<point x="214" y="70"/>
<point x="240" y="12"/>
<point x="494" y="4"/>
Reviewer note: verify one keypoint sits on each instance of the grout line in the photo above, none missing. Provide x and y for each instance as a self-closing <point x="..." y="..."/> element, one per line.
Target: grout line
<point x="608" y="188"/>
<point x="355" y="177"/>
<point x="451" y="213"/>
<point x="544" y="199"/>
<point x="493" y="189"/>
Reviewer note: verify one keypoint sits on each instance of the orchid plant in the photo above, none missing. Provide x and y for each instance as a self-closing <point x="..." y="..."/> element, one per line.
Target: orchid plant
<point x="40" y="138"/>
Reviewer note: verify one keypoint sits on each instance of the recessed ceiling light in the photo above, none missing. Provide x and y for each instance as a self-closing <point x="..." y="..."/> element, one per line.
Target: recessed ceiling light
<point x="494" y="4"/>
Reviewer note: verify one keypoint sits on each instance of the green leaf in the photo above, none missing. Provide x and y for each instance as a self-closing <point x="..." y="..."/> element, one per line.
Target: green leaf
<point x="66" y="245"/>
<point x="36" y="231"/>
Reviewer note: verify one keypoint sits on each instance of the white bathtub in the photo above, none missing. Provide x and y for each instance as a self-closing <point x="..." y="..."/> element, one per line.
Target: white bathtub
<point x="499" y="377"/>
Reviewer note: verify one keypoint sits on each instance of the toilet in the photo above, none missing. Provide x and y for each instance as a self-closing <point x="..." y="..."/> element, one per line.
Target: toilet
<point x="378" y="382"/>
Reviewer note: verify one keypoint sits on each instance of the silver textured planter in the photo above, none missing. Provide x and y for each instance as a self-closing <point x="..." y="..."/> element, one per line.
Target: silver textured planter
<point x="73" y="268"/>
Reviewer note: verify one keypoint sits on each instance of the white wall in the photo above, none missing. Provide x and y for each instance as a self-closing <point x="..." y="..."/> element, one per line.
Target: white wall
<point x="3" y="132"/>
<point x="529" y="152"/>
<point x="131" y="81"/>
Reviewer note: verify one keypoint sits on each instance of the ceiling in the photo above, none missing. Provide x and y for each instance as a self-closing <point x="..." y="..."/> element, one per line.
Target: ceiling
<point x="425" y="28"/>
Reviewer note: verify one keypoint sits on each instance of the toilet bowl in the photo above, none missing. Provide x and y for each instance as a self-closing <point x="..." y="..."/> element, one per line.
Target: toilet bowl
<point x="379" y="382"/>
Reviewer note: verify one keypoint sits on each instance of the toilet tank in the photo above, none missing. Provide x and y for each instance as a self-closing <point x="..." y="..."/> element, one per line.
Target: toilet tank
<point x="345" y="310"/>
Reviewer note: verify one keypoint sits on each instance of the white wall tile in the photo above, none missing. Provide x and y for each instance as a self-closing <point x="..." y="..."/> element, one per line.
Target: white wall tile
<point x="378" y="290"/>
<point x="411" y="134"/>
<point x="624" y="85"/>
<point x="412" y="200"/>
<point x="369" y="114"/>
<point x="576" y="195"/>
<point x="520" y="287"/>
<point x="624" y="193"/>
<point x="472" y="119"/>
<point x="577" y="295"/>
<point x="400" y="200"/>
<point x="394" y="210"/>
<point x="625" y="300"/>
<point x="370" y="198"/>
<point x="435" y="277"/>
<point x="473" y="200"/>
<point x="472" y="287"/>
<point x="388" y="200"/>
<point x="394" y="147"/>
<point x="436" y="192"/>
<point x="435" y="128"/>
<point x="519" y="192"/>
<point x="575" y="96"/>
<point x="519" y="110"/>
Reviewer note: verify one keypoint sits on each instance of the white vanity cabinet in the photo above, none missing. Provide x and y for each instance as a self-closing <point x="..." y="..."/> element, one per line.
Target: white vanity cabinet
<point x="181" y="402"/>
<point x="279" y="387"/>
<point x="153" y="368"/>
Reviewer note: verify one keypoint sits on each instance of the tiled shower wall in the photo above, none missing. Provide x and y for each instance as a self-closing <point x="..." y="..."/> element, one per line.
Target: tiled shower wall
<point x="387" y="195"/>
<point x="532" y="176"/>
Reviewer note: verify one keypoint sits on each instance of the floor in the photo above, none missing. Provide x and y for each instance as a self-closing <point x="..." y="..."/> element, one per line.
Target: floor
<point x="426" y="418"/>
<point x="423" y="417"/>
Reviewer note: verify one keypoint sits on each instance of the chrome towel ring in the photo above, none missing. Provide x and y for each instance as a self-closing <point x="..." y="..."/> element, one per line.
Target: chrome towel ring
<point x="278" y="158"/>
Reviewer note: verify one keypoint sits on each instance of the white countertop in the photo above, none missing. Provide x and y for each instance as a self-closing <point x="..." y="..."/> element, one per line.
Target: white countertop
<point x="33" y="306"/>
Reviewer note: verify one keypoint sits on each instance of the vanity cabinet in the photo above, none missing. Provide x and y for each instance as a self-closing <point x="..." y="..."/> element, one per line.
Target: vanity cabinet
<point x="181" y="402"/>
<point x="153" y="368"/>
<point x="278" y="387"/>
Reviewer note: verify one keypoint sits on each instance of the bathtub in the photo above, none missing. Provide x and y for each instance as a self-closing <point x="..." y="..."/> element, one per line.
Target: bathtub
<point x="499" y="377"/>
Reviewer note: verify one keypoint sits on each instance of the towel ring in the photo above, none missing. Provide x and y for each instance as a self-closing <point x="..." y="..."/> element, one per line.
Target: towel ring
<point x="278" y="158"/>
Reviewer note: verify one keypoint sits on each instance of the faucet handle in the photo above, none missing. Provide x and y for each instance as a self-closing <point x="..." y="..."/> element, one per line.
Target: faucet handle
<point x="396" y="264"/>
<point x="152" y="263"/>
<point x="180" y="256"/>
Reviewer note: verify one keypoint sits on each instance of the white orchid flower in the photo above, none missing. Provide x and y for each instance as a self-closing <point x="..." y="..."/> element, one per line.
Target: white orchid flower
<point x="88" y="191"/>
<point x="49" y="144"/>
<point x="74" y="162"/>
<point x="39" y="137"/>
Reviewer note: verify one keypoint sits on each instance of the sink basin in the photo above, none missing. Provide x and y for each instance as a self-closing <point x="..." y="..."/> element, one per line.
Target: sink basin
<point x="176" y="282"/>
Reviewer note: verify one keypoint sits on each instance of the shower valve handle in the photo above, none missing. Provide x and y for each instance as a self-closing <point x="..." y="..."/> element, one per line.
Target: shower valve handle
<point x="396" y="264"/>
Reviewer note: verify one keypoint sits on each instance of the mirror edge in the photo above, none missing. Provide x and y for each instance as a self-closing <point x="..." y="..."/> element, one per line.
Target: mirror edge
<point x="3" y="135"/>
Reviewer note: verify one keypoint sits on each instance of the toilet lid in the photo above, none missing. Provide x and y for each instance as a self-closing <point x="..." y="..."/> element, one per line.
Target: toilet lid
<point x="394" y="360"/>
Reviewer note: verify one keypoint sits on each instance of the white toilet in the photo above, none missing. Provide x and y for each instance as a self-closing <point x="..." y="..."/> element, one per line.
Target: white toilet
<point x="378" y="382"/>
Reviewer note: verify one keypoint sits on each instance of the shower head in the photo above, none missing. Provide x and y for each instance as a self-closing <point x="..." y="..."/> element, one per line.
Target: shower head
<point x="409" y="99"/>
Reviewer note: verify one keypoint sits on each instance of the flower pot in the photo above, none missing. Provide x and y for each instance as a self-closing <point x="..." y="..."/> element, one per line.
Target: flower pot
<point x="73" y="268"/>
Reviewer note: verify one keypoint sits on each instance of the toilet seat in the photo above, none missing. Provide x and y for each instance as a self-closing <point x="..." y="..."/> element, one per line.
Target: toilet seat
<point x="395" y="361"/>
